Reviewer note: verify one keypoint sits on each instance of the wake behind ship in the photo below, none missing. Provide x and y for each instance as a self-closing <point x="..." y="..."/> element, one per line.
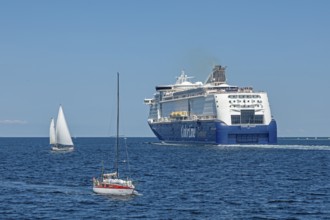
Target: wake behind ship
<point x="212" y="112"/>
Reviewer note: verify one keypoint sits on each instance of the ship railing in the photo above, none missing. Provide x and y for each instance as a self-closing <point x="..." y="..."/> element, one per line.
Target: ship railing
<point x="189" y="118"/>
<point x="213" y="91"/>
<point x="170" y="95"/>
<point x="168" y="98"/>
<point x="207" y="117"/>
<point x="246" y="89"/>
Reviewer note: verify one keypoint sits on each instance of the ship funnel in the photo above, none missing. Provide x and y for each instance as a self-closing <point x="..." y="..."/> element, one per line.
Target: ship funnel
<point x="218" y="76"/>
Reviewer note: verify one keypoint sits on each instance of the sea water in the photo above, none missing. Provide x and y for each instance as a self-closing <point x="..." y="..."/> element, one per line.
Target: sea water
<point x="290" y="180"/>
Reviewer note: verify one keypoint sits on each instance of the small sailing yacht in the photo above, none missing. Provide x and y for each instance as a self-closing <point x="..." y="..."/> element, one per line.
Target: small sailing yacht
<point x="110" y="183"/>
<point x="59" y="136"/>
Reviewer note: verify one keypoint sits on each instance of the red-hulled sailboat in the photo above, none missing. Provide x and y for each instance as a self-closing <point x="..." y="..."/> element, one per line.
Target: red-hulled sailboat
<point x="110" y="183"/>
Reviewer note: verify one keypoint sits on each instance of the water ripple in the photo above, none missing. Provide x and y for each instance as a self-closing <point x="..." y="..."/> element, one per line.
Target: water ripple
<point x="290" y="180"/>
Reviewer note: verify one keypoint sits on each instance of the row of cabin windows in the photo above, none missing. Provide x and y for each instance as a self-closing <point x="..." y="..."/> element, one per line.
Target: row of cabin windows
<point x="243" y="96"/>
<point x="244" y="101"/>
<point x="245" y="106"/>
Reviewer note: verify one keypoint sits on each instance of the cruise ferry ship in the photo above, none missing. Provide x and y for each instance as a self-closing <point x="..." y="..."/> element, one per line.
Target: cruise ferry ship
<point x="212" y="112"/>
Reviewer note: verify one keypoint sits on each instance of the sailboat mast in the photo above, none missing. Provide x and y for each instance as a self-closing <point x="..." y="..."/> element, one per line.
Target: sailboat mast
<point x="117" y="137"/>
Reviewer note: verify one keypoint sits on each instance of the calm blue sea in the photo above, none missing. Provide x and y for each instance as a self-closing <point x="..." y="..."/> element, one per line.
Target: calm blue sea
<point x="290" y="180"/>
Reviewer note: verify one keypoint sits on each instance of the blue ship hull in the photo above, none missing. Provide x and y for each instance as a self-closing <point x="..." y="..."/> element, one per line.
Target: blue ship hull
<point x="214" y="132"/>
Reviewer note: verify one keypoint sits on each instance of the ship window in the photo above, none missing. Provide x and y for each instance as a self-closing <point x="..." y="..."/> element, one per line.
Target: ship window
<point x="258" y="119"/>
<point x="247" y="117"/>
<point x="235" y="119"/>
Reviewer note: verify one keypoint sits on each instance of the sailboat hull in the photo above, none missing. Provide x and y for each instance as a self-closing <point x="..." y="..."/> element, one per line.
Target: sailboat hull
<point x="113" y="190"/>
<point x="67" y="148"/>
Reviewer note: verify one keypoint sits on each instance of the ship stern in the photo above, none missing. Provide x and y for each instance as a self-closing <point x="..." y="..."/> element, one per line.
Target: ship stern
<point x="246" y="134"/>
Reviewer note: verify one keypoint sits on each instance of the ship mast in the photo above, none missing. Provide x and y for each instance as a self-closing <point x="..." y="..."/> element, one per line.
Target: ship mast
<point x="117" y="136"/>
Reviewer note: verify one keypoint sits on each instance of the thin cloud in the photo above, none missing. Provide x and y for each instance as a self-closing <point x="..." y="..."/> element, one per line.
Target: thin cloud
<point x="12" y="122"/>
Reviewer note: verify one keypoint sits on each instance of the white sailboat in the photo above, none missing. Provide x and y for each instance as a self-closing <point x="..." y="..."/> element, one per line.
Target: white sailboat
<point x="110" y="183"/>
<point x="59" y="136"/>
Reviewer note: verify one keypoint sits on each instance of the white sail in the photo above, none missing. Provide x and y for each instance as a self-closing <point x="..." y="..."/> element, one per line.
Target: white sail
<point x="52" y="135"/>
<point x="63" y="136"/>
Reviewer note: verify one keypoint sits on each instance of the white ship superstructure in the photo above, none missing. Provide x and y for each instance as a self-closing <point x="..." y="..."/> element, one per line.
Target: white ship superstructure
<point x="212" y="112"/>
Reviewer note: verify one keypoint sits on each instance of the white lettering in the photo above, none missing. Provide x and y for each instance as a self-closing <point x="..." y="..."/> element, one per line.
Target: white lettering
<point x="188" y="132"/>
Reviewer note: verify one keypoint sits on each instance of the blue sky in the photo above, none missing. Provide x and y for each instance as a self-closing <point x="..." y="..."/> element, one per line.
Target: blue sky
<point x="68" y="52"/>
